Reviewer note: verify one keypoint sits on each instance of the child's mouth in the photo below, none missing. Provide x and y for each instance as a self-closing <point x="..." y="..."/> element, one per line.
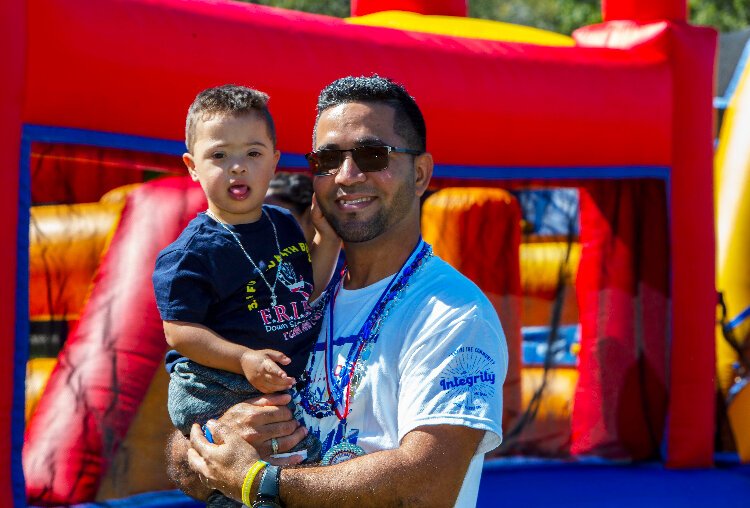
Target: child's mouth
<point x="239" y="191"/>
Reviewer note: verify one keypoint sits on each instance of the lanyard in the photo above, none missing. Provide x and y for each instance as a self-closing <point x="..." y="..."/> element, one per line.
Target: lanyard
<point x="340" y="391"/>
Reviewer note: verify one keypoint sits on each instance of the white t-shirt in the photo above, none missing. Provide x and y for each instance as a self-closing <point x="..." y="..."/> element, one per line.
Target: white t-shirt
<point x="440" y="358"/>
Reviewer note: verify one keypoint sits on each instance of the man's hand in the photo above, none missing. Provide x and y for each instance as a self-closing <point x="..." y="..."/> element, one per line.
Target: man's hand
<point x="261" y="369"/>
<point x="257" y="421"/>
<point x="262" y="419"/>
<point x="221" y="465"/>
<point x="323" y="230"/>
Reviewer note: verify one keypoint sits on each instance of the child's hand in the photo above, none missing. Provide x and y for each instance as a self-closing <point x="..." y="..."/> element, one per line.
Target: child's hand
<point x="323" y="230"/>
<point x="261" y="370"/>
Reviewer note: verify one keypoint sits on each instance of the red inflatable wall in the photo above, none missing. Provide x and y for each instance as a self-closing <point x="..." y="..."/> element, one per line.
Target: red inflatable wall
<point x="623" y="290"/>
<point x="13" y="321"/>
<point x="644" y="10"/>
<point x="83" y="174"/>
<point x="437" y="7"/>
<point x="604" y="103"/>
<point x="108" y="361"/>
<point x="690" y="424"/>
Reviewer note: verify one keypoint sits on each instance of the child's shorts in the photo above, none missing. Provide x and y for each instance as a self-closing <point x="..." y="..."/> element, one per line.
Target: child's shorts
<point x="198" y="394"/>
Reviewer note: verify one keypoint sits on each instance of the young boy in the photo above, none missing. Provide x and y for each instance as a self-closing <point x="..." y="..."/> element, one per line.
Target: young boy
<point x="233" y="289"/>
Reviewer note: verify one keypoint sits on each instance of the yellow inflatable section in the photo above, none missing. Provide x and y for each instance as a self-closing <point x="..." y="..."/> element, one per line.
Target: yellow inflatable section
<point x="470" y="28"/>
<point x="732" y="175"/>
<point x="732" y="184"/>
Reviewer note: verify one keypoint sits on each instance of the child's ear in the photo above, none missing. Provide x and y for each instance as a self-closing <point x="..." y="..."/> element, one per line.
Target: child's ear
<point x="276" y="157"/>
<point x="187" y="158"/>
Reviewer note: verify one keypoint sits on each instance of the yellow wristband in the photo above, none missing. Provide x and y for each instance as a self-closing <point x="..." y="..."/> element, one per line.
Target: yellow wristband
<point x="247" y="484"/>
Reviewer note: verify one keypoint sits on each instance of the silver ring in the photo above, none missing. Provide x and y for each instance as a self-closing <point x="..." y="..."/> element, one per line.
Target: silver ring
<point x="274" y="445"/>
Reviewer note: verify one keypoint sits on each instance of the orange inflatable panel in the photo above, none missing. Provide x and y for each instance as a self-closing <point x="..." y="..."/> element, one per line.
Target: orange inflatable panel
<point x="65" y="246"/>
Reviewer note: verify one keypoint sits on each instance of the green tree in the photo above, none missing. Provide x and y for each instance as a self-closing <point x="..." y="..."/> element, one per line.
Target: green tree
<point x="561" y="16"/>
<point x="725" y="15"/>
<point x="337" y="8"/>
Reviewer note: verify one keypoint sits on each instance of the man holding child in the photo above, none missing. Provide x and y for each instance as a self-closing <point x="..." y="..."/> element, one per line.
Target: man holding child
<point x="403" y="387"/>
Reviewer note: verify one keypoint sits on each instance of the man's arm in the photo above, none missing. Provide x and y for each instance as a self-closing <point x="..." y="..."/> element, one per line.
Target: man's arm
<point x="178" y="471"/>
<point x="427" y="469"/>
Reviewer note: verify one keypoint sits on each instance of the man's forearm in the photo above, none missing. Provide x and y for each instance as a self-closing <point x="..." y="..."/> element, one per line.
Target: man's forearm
<point x="426" y="470"/>
<point x="369" y="481"/>
<point x="178" y="471"/>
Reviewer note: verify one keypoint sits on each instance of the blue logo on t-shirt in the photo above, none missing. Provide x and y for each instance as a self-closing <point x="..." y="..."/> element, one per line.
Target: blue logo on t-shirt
<point x="469" y="378"/>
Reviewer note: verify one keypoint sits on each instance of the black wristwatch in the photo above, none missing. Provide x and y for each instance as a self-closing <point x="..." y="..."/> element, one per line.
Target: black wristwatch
<point x="268" y="490"/>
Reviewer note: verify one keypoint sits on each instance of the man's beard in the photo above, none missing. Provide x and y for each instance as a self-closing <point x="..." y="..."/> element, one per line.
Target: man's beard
<point x="358" y="231"/>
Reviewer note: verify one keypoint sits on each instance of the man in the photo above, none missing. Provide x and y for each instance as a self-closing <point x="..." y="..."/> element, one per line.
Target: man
<point x="404" y="386"/>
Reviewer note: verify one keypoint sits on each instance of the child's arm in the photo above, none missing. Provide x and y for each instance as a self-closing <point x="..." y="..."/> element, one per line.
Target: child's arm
<point x="204" y="346"/>
<point x="324" y="250"/>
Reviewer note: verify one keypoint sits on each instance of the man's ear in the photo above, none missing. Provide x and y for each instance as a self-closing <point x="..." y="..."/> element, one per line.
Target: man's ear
<point x="423" y="166"/>
<point x="187" y="158"/>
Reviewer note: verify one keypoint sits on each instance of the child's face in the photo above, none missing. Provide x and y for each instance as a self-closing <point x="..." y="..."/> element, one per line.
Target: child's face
<point x="234" y="160"/>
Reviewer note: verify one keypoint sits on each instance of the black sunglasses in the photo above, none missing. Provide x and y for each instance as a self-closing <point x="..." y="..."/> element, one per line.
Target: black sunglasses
<point x="368" y="158"/>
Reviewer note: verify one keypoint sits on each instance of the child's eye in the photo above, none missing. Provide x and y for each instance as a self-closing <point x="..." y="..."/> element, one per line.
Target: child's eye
<point x="253" y="153"/>
<point x="217" y="155"/>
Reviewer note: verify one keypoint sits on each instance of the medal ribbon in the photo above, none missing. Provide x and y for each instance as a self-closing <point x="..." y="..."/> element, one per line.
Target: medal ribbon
<point x="340" y="391"/>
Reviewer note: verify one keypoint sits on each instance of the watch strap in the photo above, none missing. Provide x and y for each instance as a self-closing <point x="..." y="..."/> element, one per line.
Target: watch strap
<point x="268" y="490"/>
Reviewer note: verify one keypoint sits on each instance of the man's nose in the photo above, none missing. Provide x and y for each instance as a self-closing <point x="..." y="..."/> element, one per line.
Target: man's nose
<point x="349" y="172"/>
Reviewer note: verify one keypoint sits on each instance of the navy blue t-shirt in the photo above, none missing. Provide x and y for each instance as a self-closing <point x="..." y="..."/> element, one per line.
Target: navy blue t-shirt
<point x="203" y="277"/>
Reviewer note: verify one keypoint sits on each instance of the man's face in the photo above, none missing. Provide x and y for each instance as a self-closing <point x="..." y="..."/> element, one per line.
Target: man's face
<point x="362" y="206"/>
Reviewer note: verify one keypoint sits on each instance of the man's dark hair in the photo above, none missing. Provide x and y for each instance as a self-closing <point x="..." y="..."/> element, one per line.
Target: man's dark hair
<point x="294" y="189"/>
<point x="409" y="122"/>
<point x="227" y="99"/>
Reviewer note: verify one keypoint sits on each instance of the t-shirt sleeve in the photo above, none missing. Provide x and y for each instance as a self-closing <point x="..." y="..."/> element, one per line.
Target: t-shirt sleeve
<point x="453" y="373"/>
<point x="183" y="286"/>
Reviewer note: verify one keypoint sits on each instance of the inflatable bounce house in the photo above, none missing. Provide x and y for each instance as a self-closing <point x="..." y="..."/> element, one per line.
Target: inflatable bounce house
<point x="573" y="184"/>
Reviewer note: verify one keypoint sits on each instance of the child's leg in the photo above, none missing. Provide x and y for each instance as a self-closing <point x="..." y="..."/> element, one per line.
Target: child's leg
<point x="198" y="394"/>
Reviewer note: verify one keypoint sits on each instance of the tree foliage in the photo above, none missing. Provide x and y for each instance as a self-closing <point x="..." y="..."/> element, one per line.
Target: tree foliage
<point x="561" y="16"/>
<point x="725" y="15"/>
<point x="337" y="8"/>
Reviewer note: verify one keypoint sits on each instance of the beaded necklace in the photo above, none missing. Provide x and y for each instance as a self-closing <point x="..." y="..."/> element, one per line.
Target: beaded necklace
<point x="271" y="288"/>
<point x="340" y="391"/>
